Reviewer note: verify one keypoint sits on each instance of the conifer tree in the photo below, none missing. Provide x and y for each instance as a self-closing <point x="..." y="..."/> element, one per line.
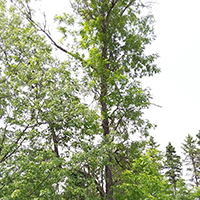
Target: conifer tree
<point x="191" y="159"/>
<point x="173" y="166"/>
<point x="152" y="146"/>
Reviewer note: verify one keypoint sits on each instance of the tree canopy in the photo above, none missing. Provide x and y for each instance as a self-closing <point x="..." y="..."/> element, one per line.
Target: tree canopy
<point x="73" y="128"/>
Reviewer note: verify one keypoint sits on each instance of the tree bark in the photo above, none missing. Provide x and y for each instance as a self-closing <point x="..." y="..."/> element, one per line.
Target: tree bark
<point x="104" y="112"/>
<point x="106" y="131"/>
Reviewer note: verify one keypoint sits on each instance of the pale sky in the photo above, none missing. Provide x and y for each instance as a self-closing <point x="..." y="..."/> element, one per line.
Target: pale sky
<point x="176" y="88"/>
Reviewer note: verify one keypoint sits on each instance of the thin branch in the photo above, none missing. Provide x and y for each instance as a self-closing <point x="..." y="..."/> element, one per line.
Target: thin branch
<point x="118" y="162"/>
<point x="6" y="184"/>
<point x="132" y="1"/>
<point x="33" y="191"/>
<point x="28" y="16"/>
<point x="111" y="8"/>
<point x="2" y="141"/>
<point x="8" y="154"/>
<point x="55" y="44"/>
<point x="155" y="105"/>
<point x="7" y="62"/>
<point x="99" y="188"/>
<point x="55" y="141"/>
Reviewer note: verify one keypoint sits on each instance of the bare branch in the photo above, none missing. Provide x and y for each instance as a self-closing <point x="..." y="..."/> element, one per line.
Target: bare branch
<point x="155" y="105"/>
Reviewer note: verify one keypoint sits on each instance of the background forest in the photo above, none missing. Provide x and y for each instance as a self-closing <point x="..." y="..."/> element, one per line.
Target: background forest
<point x="73" y="128"/>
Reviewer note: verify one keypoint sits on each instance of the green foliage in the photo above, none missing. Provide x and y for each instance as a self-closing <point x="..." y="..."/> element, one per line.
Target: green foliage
<point x="173" y="166"/>
<point x="113" y="38"/>
<point x="191" y="152"/>
<point x="143" y="180"/>
<point x="48" y="137"/>
<point x="54" y="146"/>
<point x="183" y="192"/>
<point x="41" y="113"/>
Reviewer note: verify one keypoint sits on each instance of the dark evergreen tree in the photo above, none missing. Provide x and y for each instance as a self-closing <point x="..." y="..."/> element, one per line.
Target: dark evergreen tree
<point x="152" y="147"/>
<point x="173" y="166"/>
<point x="152" y="144"/>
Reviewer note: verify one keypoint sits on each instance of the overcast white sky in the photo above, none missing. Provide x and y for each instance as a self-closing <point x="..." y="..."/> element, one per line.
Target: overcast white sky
<point x="176" y="88"/>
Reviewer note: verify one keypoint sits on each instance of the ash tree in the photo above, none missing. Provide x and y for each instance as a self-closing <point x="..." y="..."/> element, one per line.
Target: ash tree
<point x="113" y="40"/>
<point x="109" y="42"/>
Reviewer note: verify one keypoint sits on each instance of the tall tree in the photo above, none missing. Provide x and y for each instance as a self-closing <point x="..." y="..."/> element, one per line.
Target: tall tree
<point x="173" y="166"/>
<point x="115" y="63"/>
<point x="109" y="47"/>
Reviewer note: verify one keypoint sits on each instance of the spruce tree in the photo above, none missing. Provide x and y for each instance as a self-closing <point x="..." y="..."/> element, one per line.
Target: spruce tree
<point x="173" y="166"/>
<point x="152" y="148"/>
<point x="152" y="144"/>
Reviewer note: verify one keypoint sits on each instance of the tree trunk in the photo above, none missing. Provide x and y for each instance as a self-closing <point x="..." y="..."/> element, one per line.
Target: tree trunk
<point x="104" y="111"/>
<point x="106" y="131"/>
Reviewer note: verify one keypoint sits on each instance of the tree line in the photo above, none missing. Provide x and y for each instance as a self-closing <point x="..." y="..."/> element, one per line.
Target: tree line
<point x="57" y="144"/>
